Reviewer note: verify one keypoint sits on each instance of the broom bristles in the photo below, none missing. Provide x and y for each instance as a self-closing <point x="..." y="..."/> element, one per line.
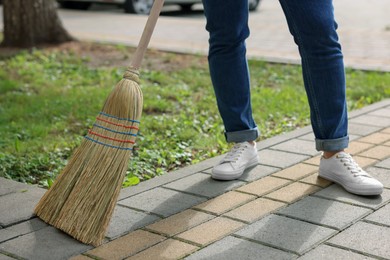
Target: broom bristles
<point x="83" y="197"/>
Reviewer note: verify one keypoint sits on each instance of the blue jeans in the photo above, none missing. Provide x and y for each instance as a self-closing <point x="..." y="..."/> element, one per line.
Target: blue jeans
<point x="313" y="27"/>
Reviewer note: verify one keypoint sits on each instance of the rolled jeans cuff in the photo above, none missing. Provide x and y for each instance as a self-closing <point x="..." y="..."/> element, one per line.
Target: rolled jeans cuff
<point x="330" y="145"/>
<point x="242" y="135"/>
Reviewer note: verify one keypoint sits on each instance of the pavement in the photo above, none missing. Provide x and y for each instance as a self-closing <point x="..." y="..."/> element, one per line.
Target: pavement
<point x="280" y="209"/>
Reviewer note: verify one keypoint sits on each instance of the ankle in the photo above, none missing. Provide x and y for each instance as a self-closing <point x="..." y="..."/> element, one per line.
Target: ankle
<point x="252" y="142"/>
<point x="329" y="154"/>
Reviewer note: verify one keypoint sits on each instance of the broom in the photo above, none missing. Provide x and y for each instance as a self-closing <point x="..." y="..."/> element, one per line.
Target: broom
<point x="82" y="199"/>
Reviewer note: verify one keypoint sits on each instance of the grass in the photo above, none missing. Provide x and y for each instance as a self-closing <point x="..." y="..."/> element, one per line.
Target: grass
<point x="49" y="98"/>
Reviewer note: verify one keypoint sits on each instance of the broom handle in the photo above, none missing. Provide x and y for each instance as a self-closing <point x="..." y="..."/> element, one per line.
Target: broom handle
<point x="147" y="34"/>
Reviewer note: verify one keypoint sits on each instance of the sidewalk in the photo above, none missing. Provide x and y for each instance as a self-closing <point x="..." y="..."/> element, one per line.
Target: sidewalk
<point x="278" y="210"/>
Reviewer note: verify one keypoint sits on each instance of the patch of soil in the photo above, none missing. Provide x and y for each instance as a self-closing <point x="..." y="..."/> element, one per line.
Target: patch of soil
<point x="110" y="55"/>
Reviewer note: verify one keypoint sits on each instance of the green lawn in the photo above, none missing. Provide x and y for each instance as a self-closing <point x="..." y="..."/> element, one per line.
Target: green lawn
<point x="48" y="99"/>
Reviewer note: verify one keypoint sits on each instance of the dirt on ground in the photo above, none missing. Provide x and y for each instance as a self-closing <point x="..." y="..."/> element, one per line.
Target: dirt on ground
<point x="111" y="55"/>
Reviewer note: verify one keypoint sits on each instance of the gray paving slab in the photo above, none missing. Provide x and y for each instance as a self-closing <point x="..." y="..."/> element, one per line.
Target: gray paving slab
<point x="366" y="238"/>
<point x="286" y="233"/>
<point x="372" y="120"/>
<point x="383" y="175"/>
<point x="232" y="248"/>
<point x="203" y="185"/>
<point x="325" y="212"/>
<point x="297" y="146"/>
<point x="125" y="220"/>
<point x="384" y="112"/>
<point x="10" y="186"/>
<point x="325" y="252"/>
<point x="280" y="159"/>
<point x="18" y="206"/>
<point x="258" y="172"/>
<point x="169" y="177"/>
<point x="336" y="192"/>
<point x="45" y="244"/>
<point x="362" y="130"/>
<point x="21" y="229"/>
<point x="162" y="201"/>
<point x="381" y="216"/>
<point x="4" y="257"/>
<point x="384" y="164"/>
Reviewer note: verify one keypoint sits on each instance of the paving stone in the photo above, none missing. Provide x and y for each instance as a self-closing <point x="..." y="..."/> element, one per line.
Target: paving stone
<point x="336" y="192"/>
<point x="232" y="248"/>
<point x="297" y="171"/>
<point x="80" y="257"/>
<point x="357" y="147"/>
<point x="21" y="229"/>
<point x="4" y="257"/>
<point x="384" y="164"/>
<point x="225" y="202"/>
<point x="364" y="161"/>
<point x="363" y="130"/>
<point x="257" y="172"/>
<point x="325" y="212"/>
<point x="169" y="249"/>
<point x="386" y="130"/>
<point x="201" y="184"/>
<point x="280" y="159"/>
<point x="325" y="252"/>
<point x="211" y="231"/>
<point x="286" y="233"/>
<point x="314" y="161"/>
<point x="127" y="245"/>
<point x="45" y="244"/>
<point x="387" y="143"/>
<point x="162" y="201"/>
<point x="25" y="201"/>
<point x="125" y="220"/>
<point x="383" y="175"/>
<point x="371" y="120"/>
<point x="376" y="138"/>
<point x="9" y="186"/>
<point x="316" y="180"/>
<point x="263" y="186"/>
<point x="309" y="137"/>
<point x="385" y="112"/>
<point x="378" y="152"/>
<point x="381" y="216"/>
<point x="180" y="222"/>
<point x="293" y="192"/>
<point x="254" y="210"/>
<point x="366" y="238"/>
<point x="297" y="146"/>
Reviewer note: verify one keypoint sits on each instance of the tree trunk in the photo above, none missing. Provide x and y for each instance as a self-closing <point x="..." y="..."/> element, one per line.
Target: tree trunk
<point x="28" y="23"/>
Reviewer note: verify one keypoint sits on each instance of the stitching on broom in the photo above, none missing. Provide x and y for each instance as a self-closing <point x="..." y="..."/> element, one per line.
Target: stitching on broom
<point x="110" y="138"/>
<point x="112" y="146"/>
<point x="108" y="115"/>
<point x="112" y="123"/>
<point x="117" y="132"/>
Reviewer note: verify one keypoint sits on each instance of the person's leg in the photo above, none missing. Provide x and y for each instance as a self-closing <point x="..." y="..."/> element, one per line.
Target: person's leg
<point x="227" y="24"/>
<point x="313" y="27"/>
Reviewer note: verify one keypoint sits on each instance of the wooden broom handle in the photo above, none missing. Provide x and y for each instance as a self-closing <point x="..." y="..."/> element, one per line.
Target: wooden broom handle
<point x="147" y="34"/>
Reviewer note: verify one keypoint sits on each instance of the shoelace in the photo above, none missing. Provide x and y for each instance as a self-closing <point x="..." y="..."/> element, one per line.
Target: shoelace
<point x="234" y="154"/>
<point x="351" y="165"/>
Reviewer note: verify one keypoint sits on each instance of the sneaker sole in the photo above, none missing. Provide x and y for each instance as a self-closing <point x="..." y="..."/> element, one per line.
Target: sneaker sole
<point x="236" y="174"/>
<point x="360" y="191"/>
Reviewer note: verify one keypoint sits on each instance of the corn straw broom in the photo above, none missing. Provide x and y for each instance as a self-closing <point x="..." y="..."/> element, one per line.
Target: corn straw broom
<point x="83" y="197"/>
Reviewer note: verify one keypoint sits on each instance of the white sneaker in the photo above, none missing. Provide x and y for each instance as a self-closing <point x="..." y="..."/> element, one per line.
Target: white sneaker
<point x="240" y="157"/>
<point x="342" y="169"/>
